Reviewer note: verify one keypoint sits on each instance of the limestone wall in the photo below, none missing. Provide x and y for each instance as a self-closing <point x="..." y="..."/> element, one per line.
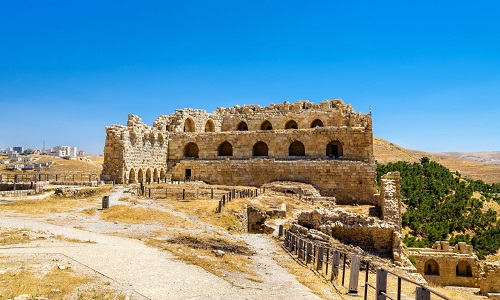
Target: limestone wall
<point x="134" y="152"/>
<point x="447" y="265"/>
<point x="390" y="198"/>
<point x="355" y="143"/>
<point x="490" y="279"/>
<point x="347" y="181"/>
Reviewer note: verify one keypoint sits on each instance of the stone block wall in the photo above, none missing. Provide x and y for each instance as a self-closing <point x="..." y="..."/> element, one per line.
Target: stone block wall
<point x="490" y="280"/>
<point x="348" y="181"/>
<point x="447" y="265"/>
<point x="390" y="198"/>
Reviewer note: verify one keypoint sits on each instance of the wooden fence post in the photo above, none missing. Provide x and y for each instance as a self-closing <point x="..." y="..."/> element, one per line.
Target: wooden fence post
<point x="280" y="230"/>
<point x="219" y="209"/>
<point x="381" y="283"/>
<point x="224" y="199"/>
<point x="287" y="239"/>
<point x="183" y="194"/>
<point x="301" y="248"/>
<point x="211" y="193"/>
<point x="422" y="293"/>
<point x="354" y="275"/>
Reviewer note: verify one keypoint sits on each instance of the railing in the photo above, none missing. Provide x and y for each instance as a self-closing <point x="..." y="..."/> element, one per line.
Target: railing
<point x="181" y="193"/>
<point x="52" y="178"/>
<point x="324" y="257"/>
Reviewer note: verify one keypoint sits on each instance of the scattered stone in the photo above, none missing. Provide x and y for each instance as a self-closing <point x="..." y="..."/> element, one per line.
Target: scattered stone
<point x="219" y="253"/>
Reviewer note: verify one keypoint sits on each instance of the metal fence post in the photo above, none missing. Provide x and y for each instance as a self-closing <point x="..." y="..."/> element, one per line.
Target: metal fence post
<point x="381" y="283"/>
<point x="354" y="275"/>
<point x="335" y="265"/>
<point x="422" y="293"/>
<point x="319" y="261"/>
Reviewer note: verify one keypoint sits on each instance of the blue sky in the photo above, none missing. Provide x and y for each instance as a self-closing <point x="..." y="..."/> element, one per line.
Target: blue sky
<point x="430" y="70"/>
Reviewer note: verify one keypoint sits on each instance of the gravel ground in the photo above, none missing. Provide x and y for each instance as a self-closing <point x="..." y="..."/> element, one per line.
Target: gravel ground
<point x="154" y="273"/>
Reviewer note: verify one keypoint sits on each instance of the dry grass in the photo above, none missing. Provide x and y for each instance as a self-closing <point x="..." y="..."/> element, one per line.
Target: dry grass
<point x="198" y="250"/>
<point x="56" y="203"/>
<point x="140" y="215"/>
<point x="11" y="237"/>
<point x="56" y="284"/>
<point x="386" y="151"/>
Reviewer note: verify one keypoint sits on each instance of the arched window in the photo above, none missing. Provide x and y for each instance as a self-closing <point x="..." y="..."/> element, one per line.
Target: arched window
<point x="210" y="126"/>
<point x="145" y="139"/>
<point x="291" y="125"/>
<point x="266" y="125"/>
<point x="296" y="149"/>
<point x="464" y="269"/>
<point x="155" y="175"/>
<point x="161" y="140"/>
<point x="148" y="176"/>
<point x="242" y="126"/>
<point x="152" y="138"/>
<point x="131" y="176"/>
<point x="225" y="149"/>
<point x="140" y="176"/>
<point x="317" y="123"/>
<point x="189" y="125"/>
<point x="260" y="149"/>
<point x="431" y="267"/>
<point x="133" y="137"/>
<point x="334" y="150"/>
<point x="191" y="150"/>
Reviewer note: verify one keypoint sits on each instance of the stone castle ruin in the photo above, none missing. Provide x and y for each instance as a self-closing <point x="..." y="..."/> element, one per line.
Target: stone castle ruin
<point x="328" y="145"/>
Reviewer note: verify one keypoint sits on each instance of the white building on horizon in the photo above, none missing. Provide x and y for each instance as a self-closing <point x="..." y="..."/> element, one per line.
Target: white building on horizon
<point x="64" y="151"/>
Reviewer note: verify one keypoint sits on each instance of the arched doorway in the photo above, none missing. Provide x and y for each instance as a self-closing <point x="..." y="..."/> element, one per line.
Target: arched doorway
<point x="463" y="269"/>
<point x="140" y="176"/>
<point x="225" y="149"/>
<point x="155" y="175"/>
<point x="317" y="123"/>
<point x="210" y="126"/>
<point x="296" y="149"/>
<point x="131" y="176"/>
<point x="191" y="150"/>
<point x="162" y="175"/>
<point x="189" y="125"/>
<point x="266" y="125"/>
<point x="260" y="149"/>
<point x="148" y="175"/>
<point x="291" y="125"/>
<point x="242" y="126"/>
<point x="431" y="267"/>
<point x="334" y="150"/>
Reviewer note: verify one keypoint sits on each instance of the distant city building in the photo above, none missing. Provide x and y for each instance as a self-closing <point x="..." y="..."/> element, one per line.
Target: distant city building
<point x="13" y="155"/>
<point x="18" y="149"/>
<point x="64" y="151"/>
<point x="81" y="153"/>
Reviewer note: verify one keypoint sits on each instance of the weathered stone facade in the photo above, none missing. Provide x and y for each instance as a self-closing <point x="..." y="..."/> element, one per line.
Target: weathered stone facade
<point x="446" y="265"/>
<point x="326" y="144"/>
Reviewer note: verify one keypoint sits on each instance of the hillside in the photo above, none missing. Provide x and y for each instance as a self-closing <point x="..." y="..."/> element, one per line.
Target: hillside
<point x="386" y="151"/>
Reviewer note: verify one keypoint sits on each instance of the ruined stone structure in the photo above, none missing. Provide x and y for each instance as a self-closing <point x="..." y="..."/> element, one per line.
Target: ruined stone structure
<point x="446" y="265"/>
<point x="326" y="144"/>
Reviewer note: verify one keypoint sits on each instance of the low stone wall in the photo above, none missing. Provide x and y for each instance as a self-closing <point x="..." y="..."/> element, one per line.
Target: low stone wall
<point x="369" y="233"/>
<point x="349" y="182"/>
<point x="490" y="280"/>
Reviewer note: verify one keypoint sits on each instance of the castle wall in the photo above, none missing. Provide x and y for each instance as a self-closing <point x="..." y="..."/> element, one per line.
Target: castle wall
<point x="347" y="181"/>
<point x="445" y="265"/>
<point x="356" y="143"/>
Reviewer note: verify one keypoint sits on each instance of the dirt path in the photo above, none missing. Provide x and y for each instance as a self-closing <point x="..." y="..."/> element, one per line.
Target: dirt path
<point x="155" y="273"/>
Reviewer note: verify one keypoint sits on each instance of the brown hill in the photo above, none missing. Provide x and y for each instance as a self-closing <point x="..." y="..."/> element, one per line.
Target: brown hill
<point x="386" y="151"/>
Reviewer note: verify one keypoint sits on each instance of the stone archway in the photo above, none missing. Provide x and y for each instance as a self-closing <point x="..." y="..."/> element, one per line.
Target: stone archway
<point x="191" y="150"/>
<point x="140" y="176"/>
<point x="162" y="174"/>
<point x="463" y="269"/>
<point x="155" y="175"/>
<point x="131" y="176"/>
<point x="242" y="126"/>
<point x="266" y="125"/>
<point x="189" y="125"/>
<point x="291" y="125"/>
<point x="148" y="175"/>
<point x="260" y="149"/>
<point x="431" y="267"/>
<point x="296" y="149"/>
<point x="317" y="123"/>
<point x="225" y="149"/>
<point x="210" y="126"/>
